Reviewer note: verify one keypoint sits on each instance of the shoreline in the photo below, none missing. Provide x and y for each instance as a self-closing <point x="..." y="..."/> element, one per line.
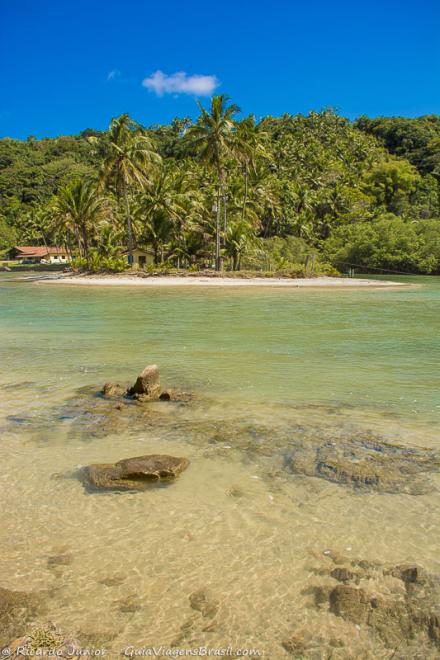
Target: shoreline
<point x="165" y="280"/>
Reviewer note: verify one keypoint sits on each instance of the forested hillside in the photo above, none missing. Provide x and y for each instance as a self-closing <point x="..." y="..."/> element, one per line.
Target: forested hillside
<point x="237" y="193"/>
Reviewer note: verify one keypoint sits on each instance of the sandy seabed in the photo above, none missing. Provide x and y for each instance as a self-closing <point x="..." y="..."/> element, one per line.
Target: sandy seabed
<point x="128" y="280"/>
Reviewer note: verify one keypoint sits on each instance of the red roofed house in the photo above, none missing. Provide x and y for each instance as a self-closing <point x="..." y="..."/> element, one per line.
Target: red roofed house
<point x="36" y="254"/>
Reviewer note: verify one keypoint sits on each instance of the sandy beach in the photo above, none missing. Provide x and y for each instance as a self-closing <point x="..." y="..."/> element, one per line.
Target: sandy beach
<point x="133" y="280"/>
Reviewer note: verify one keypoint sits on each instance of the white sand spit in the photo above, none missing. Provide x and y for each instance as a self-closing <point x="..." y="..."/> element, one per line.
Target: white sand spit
<point x="133" y="280"/>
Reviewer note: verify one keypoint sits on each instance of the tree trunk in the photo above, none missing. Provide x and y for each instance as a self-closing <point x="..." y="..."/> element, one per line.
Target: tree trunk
<point x="68" y="250"/>
<point x="78" y="241"/>
<point x="86" y="250"/>
<point x="217" y="233"/>
<point x="246" y="182"/>
<point x="225" y="209"/>
<point x="129" y="229"/>
<point x="225" y="214"/>
<point x="221" y="180"/>
<point x="85" y="243"/>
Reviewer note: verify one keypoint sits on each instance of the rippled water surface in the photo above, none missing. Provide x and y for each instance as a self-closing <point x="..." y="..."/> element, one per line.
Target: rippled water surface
<point x="268" y="369"/>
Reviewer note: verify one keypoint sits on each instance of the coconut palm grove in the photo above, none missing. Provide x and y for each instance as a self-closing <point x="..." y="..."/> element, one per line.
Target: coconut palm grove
<point x="293" y="194"/>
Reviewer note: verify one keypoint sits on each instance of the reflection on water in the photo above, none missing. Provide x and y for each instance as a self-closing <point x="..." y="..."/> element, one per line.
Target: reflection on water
<point x="228" y="553"/>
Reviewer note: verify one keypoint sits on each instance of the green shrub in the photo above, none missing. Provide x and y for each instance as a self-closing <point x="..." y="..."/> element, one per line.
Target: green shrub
<point x="99" y="264"/>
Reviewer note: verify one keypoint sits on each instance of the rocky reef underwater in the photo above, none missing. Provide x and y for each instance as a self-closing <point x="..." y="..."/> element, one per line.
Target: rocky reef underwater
<point x="397" y="604"/>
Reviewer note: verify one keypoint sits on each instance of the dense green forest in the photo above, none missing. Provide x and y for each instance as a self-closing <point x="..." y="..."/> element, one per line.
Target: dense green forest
<point x="275" y="194"/>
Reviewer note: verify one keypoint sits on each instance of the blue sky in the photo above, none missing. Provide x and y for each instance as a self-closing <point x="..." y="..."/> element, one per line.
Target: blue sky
<point x="66" y="66"/>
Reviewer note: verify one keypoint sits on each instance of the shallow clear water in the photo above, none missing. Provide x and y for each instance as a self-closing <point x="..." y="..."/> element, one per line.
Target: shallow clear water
<point x="237" y="524"/>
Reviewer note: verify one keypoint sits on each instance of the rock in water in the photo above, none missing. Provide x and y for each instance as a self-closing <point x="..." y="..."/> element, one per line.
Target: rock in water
<point x="350" y="603"/>
<point x="113" y="389"/>
<point x="203" y="602"/>
<point x="46" y="641"/>
<point x="17" y="608"/>
<point x="342" y="574"/>
<point x="147" y="383"/>
<point x="136" y="473"/>
<point x="367" y="464"/>
<point x="371" y="596"/>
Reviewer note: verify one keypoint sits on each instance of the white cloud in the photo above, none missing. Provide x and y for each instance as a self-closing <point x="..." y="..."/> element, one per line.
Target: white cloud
<point x="114" y="73"/>
<point x="180" y="83"/>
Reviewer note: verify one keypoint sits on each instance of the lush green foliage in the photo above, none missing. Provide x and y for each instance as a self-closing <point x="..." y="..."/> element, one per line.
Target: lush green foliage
<point x="418" y="140"/>
<point x="389" y="243"/>
<point x="97" y="263"/>
<point x="282" y="193"/>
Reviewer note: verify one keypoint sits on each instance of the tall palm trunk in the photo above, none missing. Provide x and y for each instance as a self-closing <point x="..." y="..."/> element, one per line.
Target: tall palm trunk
<point x="221" y="179"/>
<point x="246" y="185"/>
<point x="85" y="243"/>
<point x="156" y="252"/>
<point x="225" y="214"/>
<point x="78" y="241"/>
<point x="217" y="233"/>
<point x="222" y="193"/>
<point x="129" y="227"/>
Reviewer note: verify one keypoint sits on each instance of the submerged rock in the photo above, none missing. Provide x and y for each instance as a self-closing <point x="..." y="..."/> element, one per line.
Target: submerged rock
<point x="203" y="602"/>
<point x="397" y="604"/>
<point x="367" y="464"/>
<point x="128" y="604"/>
<point x="112" y="580"/>
<point x="59" y="560"/>
<point x="411" y="574"/>
<point x="17" y="609"/>
<point x="349" y="602"/>
<point x="303" y="644"/>
<point x="111" y="390"/>
<point x="136" y="473"/>
<point x="392" y="619"/>
<point x="45" y="641"/>
<point x="342" y="574"/>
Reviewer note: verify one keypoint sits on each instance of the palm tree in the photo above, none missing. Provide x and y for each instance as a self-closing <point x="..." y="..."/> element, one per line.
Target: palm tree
<point x="161" y="209"/>
<point x="191" y="246"/>
<point x="238" y="238"/>
<point x="108" y="240"/>
<point x="249" y="146"/>
<point x="213" y="137"/>
<point x="129" y="159"/>
<point x="77" y="209"/>
<point x="268" y="201"/>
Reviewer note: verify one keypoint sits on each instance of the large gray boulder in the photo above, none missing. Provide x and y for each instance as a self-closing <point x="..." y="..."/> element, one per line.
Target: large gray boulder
<point x="136" y="473"/>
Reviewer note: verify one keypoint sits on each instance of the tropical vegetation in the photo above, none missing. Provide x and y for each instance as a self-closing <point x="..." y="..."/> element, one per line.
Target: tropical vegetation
<point x="292" y="193"/>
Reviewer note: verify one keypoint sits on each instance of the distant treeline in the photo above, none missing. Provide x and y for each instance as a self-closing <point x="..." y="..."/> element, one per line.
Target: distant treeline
<point x="234" y="193"/>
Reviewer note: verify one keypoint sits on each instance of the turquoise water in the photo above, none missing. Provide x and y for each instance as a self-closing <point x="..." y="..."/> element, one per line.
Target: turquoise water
<point x="258" y="361"/>
<point x="376" y="348"/>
